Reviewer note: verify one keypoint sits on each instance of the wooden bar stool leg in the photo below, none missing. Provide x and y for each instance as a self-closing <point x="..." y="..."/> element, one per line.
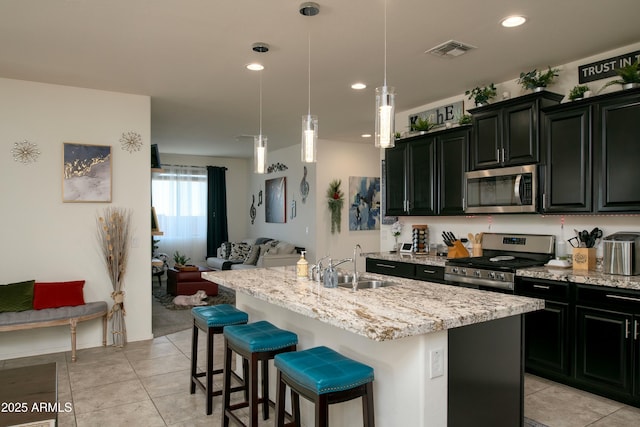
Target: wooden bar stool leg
<point x="209" y="373"/>
<point x="253" y="390"/>
<point x="280" y="393"/>
<point x="226" y="385"/>
<point x="322" y="411"/>
<point x="295" y="407"/>
<point x="194" y="358"/>
<point x="265" y="389"/>
<point x="367" y="406"/>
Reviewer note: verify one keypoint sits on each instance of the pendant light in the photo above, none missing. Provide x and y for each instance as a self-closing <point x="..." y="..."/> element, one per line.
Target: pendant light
<point x="309" y="141"/>
<point x="260" y="143"/>
<point x="385" y="103"/>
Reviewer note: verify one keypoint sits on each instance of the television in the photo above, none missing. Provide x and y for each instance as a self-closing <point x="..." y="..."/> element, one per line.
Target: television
<point x="155" y="157"/>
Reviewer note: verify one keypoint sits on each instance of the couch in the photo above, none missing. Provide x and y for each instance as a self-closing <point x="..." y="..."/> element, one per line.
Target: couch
<point x="254" y="253"/>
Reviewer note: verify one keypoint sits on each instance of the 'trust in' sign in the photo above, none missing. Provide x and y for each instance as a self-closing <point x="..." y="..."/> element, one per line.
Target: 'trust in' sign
<point x="605" y="68"/>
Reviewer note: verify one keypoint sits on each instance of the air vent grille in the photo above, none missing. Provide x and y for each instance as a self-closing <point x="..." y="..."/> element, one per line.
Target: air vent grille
<point x="450" y="49"/>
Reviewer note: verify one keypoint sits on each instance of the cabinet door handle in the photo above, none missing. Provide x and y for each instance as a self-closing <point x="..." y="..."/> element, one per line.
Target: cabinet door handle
<point x="626" y="325"/>
<point x="385" y="266"/>
<point x="635" y="329"/>
<point x="498" y="154"/>
<point x="544" y="201"/>
<point x="542" y="287"/>
<point x="623" y="297"/>
<point x="429" y="271"/>
<point x="502" y="155"/>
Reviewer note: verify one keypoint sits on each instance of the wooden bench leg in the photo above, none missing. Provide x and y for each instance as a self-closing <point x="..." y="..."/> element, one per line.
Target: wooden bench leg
<point x="74" y="324"/>
<point x="104" y="330"/>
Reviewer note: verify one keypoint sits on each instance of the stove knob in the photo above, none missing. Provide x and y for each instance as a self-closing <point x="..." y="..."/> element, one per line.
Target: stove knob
<point x="501" y="276"/>
<point x="492" y="275"/>
<point x="477" y="273"/>
<point x="455" y="270"/>
<point x="464" y="271"/>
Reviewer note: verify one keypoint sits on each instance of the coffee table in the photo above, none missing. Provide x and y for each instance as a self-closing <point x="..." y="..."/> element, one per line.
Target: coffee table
<point x="28" y="396"/>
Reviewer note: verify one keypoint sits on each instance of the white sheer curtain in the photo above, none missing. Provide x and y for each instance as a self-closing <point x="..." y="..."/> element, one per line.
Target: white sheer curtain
<point x="179" y="195"/>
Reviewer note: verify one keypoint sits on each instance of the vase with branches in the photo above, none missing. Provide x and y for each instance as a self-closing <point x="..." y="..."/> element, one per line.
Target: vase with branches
<point x="335" y="200"/>
<point x="114" y="237"/>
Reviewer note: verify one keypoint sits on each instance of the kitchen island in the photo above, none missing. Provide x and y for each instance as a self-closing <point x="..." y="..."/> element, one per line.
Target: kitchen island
<point x="443" y="355"/>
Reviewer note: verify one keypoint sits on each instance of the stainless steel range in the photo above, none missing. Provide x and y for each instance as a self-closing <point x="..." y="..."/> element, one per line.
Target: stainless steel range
<point x="503" y="254"/>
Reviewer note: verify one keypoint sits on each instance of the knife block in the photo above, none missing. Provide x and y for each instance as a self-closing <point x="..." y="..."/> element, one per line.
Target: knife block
<point x="458" y="250"/>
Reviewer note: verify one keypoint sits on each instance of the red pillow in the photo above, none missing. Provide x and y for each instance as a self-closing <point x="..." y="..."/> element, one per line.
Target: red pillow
<point x="57" y="294"/>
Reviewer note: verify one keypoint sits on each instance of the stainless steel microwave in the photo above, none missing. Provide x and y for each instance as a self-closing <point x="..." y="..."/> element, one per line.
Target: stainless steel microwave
<point x="503" y="190"/>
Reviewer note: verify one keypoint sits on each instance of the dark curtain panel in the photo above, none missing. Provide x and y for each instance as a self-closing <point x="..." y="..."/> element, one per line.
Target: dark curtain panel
<point x="217" y="231"/>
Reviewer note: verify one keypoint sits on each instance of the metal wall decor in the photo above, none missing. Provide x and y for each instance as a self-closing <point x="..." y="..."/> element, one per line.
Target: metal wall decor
<point x="277" y="167"/>
<point x="252" y="210"/>
<point x="304" y="186"/>
<point x="131" y="141"/>
<point x="25" y="152"/>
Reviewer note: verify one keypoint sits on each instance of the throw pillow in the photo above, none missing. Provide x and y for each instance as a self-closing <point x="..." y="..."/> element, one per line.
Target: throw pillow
<point x="16" y="296"/>
<point x="252" y="258"/>
<point x="226" y="249"/>
<point x="286" y="248"/>
<point x="239" y="252"/>
<point x="58" y="294"/>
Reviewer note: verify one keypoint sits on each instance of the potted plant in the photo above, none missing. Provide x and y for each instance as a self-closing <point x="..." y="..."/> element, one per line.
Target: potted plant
<point x="482" y="95"/>
<point x="464" y="119"/>
<point x="629" y="77"/>
<point x="538" y="80"/>
<point x="423" y="124"/>
<point x="578" y="92"/>
<point x="180" y="260"/>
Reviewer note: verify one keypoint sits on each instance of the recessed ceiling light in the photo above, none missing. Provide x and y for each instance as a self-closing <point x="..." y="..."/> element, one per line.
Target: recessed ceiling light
<point x="366" y="135"/>
<point x="358" y="86"/>
<point x="255" y="67"/>
<point x="513" y="21"/>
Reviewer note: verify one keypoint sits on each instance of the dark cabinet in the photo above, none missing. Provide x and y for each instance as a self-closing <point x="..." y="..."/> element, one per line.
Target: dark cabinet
<point x="547" y="343"/>
<point x="410" y="176"/>
<point x="568" y="172"/>
<point x="507" y="133"/>
<point x="425" y="174"/>
<point x="391" y="268"/>
<point x="607" y="341"/>
<point x="618" y="155"/>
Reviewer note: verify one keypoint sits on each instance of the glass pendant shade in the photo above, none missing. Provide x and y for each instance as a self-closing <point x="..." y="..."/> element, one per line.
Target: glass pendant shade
<point x="259" y="154"/>
<point x="385" y="116"/>
<point x="309" y="138"/>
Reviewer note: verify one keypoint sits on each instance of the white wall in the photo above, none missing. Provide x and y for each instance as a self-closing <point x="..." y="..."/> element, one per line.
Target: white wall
<point x="47" y="240"/>
<point x="300" y="230"/>
<point x="340" y="160"/>
<point x="237" y="178"/>
<point x="537" y="224"/>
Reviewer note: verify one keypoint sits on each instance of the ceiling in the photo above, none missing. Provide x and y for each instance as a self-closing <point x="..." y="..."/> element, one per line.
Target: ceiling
<point x="189" y="56"/>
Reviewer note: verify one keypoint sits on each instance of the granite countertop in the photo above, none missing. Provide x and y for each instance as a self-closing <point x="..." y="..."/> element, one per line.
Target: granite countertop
<point x="408" y="308"/>
<point x="589" y="277"/>
<point x="409" y="258"/>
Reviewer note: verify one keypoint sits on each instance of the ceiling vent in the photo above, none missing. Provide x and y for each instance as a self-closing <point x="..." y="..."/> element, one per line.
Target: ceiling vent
<point x="450" y="49"/>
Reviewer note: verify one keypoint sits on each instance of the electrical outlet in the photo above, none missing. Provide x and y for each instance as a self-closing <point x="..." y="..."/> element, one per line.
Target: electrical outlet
<point x="436" y="359"/>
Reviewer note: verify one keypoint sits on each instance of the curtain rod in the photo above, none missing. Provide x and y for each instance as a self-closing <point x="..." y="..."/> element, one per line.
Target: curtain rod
<point x="184" y="166"/>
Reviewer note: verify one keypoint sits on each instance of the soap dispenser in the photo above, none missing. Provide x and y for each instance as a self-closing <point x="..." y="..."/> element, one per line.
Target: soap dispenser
<point x="302" y="266"/>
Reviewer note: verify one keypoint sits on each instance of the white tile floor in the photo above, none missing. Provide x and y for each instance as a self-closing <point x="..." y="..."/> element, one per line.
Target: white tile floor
<point x="147" y="384"/>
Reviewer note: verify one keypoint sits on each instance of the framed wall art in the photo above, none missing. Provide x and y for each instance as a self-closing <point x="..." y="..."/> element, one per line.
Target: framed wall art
<point x="275" y="204"/>
<point x="86" y="175"/>
<point x="364" y="207"/>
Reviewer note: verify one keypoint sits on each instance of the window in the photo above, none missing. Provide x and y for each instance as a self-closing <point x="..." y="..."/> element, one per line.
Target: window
<point x="179" y="195"/>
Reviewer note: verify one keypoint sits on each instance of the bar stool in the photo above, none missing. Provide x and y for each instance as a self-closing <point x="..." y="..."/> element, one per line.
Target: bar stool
<point x="212" y="320"/>
<point x="259" y="341"/>
<point x="323" y="376"/>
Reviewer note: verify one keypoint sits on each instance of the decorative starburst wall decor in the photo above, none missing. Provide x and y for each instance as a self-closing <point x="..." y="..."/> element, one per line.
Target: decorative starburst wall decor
<point x="131" y="141"/>
<point x="25" y="152"/>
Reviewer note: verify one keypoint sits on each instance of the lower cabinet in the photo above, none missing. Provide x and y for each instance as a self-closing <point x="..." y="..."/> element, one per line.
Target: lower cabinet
<point x="428" y="273"/>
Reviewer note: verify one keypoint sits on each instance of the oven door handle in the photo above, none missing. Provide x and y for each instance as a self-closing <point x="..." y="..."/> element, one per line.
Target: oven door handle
<point x="516" y="189"/>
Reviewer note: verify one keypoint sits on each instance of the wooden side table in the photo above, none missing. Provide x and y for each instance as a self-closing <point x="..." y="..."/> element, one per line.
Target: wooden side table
<point x="189" y="282"/>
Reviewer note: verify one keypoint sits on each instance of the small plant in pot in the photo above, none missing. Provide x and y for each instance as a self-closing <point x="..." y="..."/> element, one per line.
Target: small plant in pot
<point x="423" y="124"/>
<point x="464" y="119"/>
<point x="180" y="260"/>
<point x="578" y="92"/>
<point x="629" y="77"/>
<point x="537" y="80"/>
<point x="482" y="95"/>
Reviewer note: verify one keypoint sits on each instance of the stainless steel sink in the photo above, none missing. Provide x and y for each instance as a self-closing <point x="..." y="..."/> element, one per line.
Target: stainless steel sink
<point x="367" y="284"/>
<point x="345" y="278"/>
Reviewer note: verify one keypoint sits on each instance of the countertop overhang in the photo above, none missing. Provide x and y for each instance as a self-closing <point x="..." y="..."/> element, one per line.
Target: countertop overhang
<point x="408" y="308"/>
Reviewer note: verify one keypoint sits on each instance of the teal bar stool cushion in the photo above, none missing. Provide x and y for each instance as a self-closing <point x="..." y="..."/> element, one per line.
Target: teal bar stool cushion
<point x="323" y="370"/>
<point x="212" y="316"/>
<point x="259" y="336"/>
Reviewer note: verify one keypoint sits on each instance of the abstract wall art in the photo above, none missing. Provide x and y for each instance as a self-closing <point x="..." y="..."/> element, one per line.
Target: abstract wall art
<point x="364" y="203"/>
<point x="86" y="173"/>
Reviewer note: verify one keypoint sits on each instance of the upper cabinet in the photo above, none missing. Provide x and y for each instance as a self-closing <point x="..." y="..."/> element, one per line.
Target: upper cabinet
<point x="425" y="174"/>
<point x="507" y="133"/>
<point x="592" y="155"/>
<point x="618" y="152"/>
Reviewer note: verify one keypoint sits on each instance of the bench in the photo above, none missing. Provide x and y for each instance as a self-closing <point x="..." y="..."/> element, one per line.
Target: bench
<point x="31" y="319"/>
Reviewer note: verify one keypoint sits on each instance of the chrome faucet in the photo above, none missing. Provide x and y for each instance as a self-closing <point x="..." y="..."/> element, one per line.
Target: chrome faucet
<point x="315" y="272"/>
<point x="355" y="264"/>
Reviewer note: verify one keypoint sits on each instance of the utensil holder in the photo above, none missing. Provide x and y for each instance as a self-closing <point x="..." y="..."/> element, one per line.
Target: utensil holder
<point x="584" y="258"/>
<point x="476" y="249"/>
<point x="458" y="250"/>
